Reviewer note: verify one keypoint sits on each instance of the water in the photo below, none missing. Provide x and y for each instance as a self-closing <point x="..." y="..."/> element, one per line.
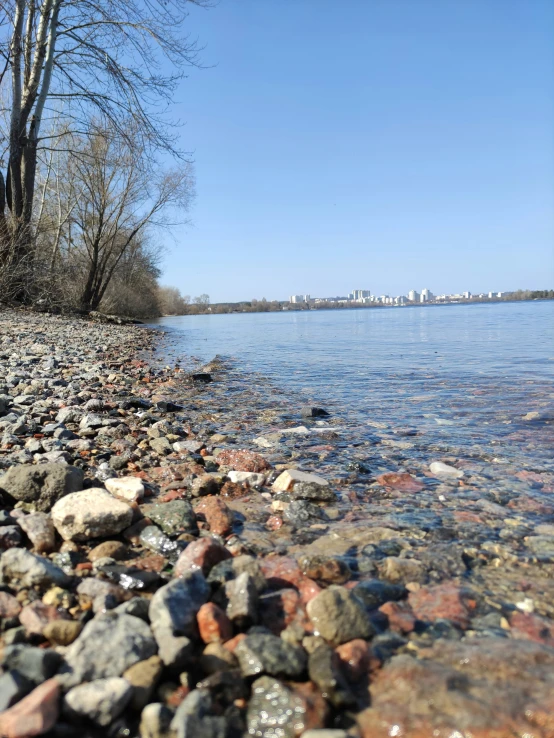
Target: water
<point x="461" y="375"/>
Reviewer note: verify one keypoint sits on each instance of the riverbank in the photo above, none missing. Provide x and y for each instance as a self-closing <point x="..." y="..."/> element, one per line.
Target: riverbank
<point x="167" y="567"/>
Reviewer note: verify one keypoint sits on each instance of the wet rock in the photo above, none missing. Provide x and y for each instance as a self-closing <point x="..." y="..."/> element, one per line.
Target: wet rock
<point x="289" y="478"/>
<point x="174" y="518"/>
<point x="401" y="482"/>
<point x="312" y="491"/>
<point x="529" y="626"/>
<point x="444" y="471"/>
<point x="243" y="461"/>
<point x="339" y="616"/>
<point x="213" y="624"/>
<point x="313" y="412"/>
<point x="252" y="478"/>
<point x="19" y="567"/>
<point x="143" y="678"/>
<point x="129" y="489"/>
<point x="33" y="715"/>
<point x="324" y="668"/>
<point x="100" y="701"/>
<point x="276" y="710"/>
<point x="268" y="654"/>
<point x="374" y="593"/>
<point x="399" y="570"/>
<point x="43" y="485"/>
<point x="40" y="531"/>
<point x="242" y="597"/>
<point x="355" y="657"/>
<point x="62" y="632"/>
<point x="301" y="513"/>
<point x="216" y="513"/>
<point x="108" y="646"/>
<point x="447" y="600"/>
<point x="202" y="554"/>
<point x="155" y="721"/>
<point x="400" y="616"/>
<point x="325" y="569"/>
<point x="92" y="513"/>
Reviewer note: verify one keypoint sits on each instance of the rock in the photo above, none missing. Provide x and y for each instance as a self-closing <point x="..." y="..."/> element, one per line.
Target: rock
<point x="192" y="447"/>
<point x="398" y="570"/>
<point x="100" y="701"/>
<point x="62" y="632"/>
<point x="155" y="721"/>
<point x="13" y="686"/>
<point x="108" y="646"/>
<point x="130" y="489"/>
<point x="325" y="733"/>
<point x="324" y="668"/>
<point x="401" y="482"/>
<point x="446" y="600"/>
<point x="40" y="531"/>
<point x="400" y="616"/>
<point x="108" y="549"/>
<point x="143" y="678"/>
<point x="338" y="616"/>
<point x="9" y="606"/>
<point x="290" y="477"/>
<point x="44" y="485"/>
<point x="300" y="513"/>
<point x="355" y="660"/>
<point x="276" y="710"/>
<point x="312" y="491"/>
<point x="33" y="715"/>
<point x="546" y="413"/>
<point x="216" y="513"/>
<point x="216" y="658"/>
<point x="259" y="654"/>
<point x="252" y="478"/>
<point x="161" y="446"/>
<point x="242" y="596"/>
<point x="374" y="593"/>
<point x="206" y="484"/>
<point x="243" y="461"/>
<point x="213" y="624"/>
<point x="19" y="567"/>
<point x="313" y="412"/>
<point x="440" y="470"/>
<point x="325" y="569"/>
<point x="195" y="717"/>
<point x="35" y="664"/>
<point x="35" y="616"/>
<point x="10" y="537"/>
<point x="201" y="377"/>
<point x="174" y="517"/>
<point x="202" y="554"/>
<point x="92" y="513"/>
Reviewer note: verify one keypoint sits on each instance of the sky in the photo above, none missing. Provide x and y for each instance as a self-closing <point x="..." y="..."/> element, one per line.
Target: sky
<point x="386" y="145"/>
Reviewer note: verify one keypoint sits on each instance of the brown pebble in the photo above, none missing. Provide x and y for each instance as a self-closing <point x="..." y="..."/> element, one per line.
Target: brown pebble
<point x="62" y="632"/>
<point x="113" y="549"/>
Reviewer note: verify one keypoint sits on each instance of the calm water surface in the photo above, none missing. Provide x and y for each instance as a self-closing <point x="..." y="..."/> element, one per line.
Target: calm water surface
<point x="463" y="375"/>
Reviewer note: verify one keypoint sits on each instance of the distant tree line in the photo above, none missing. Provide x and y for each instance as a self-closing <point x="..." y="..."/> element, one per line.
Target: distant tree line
<point x="85" y="185"/>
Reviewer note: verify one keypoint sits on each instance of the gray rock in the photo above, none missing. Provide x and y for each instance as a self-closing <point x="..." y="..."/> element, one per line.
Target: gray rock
<point x="311" y="491"/>
<point x="19" y="567"/>
<point x="325" y="670"/>
<point x="174" y="517"/>
<point x="161" y="446"/>
<point x="195" y="719"/>
<point x="10" y="537"/>
<point x="108" y="645"/>
<point x="242" y="597"/>
<point x="300" y="513"/>
<point x="35" y="664"/>
<point x="338" y="616"/>
<point x="155" y="721"/>
<point x="13" y="686"/>
<point x="44" y="485"/>
<point x="260" y="654"/>
<point x="313" y="412"/>
<point x="100" y="701"/>
<point x="90" y="421"/>
<point x="275" y="710"/>
<point x="40" y="531"/>
<point x="92" y="513"/>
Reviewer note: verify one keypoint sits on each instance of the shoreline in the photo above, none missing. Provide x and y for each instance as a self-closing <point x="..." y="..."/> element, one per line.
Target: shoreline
<point x="291" y="600"/>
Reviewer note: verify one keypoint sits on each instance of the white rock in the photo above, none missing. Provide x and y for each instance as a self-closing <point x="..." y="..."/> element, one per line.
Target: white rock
<point x="92" y="513"/>
<point x="130" y="489"/>
<point x="264" y="442"/>
<point x="100" y="701"/>
<point x="443" y="470"/>
<point x="300" y="429"/>
<point x="254" y="479"/>
<point x="288" y="478"/>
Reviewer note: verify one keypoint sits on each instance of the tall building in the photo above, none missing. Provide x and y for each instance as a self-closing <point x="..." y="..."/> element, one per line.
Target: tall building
<point x="413" y="296"/>
<point x="299" y="298"/>
<point x="360" y="294"/>
<point x="426" y="295"/>
<point x="467" y="295"/>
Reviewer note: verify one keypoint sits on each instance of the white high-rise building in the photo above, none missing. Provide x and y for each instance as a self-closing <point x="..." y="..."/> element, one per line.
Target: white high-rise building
<point x="467" y="295"/>
<point x="426" y="295"/>
<point x="413" y="296"/>
<point x="360" y="294"/>
<point x="299" y="298"/>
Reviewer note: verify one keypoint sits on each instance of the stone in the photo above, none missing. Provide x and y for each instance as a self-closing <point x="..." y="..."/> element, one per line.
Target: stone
<point x="290" y="477"/>
<point x="155" y="721"/>
<point x="312" y="491"/>
<point x="398" y="570"/>
<point x="33" y="715"/>
<point x="161" y="446"/>
<point x="62" y="632"/>
<point x="9" y="606"/>
<point x="213" y="624"/>
<point x="253" y="479"/>
<point x="374" y="593"/>
<point x="446" y="600"/>
<point x="400" y="616"/>
<point x="35" y="616"/>
<point x="277" y="710"/>
<point x="174" y="517"/>
<point x="313" y="412"/>
<point x="195" y="717"/>
<point x="242" y="598"/>
<point x="206" y="484"/>
<point x="109" y="549"/>
<point x="300" y="513"/>
<point x="35" y="664"/>
<point x="100" y="701"/>
<point x="216" y="513"/>
<point x="130" y="489"/>
<point x="338" y="616"/>
<point x="92" y="513"/>
<point x="243" y="461"/>
<point x="444" y="471"/>
<point x="143" y="678"/>
<point x="13" y="686"/>
<point x="355" y="659"/>
<point x="259" y="654"/>
<point x="19" y="567"/>
<point x="324" y="668"/>
<point x="44" y="484"/>
<point x="401" y="482"/>
<point x="215" y="657"/>
<point x="325" y="733"/>
<point x="40" y="531"/>
<point x="10" y="537"/>
<point x="202" y="554"/>
<point x="108" y="645"/>
<point x="192" y="447"/>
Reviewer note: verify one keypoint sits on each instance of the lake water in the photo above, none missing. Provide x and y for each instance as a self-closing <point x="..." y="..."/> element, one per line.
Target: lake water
<point x="461" y="375"/>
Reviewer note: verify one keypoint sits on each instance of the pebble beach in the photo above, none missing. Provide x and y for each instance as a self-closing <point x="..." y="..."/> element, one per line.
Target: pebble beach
<point x="194" y="553"/>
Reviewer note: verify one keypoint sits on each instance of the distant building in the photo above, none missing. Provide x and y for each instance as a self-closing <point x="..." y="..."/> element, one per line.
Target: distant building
<point x="413" y="296"/>
<point x="299" y="298"/>
<point x="426" y="295"/>
<point x="360" y="294"/>
<point x="491" y="295"/>
<point x="467" y="295"/>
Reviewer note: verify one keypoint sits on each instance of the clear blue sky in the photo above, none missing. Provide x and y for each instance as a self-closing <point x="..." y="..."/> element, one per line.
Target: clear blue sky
<point x="369" y="144"/>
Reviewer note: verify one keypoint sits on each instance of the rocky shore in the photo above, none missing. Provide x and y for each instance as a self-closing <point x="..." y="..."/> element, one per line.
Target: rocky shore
<point x="193" y="554"/>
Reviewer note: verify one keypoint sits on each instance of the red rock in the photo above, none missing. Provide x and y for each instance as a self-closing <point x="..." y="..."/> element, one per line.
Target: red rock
<point x="35" y="616"/>
<point x="280" y="609"/>
<point x="231" y="644"/>
<point x="400" y="615"/>
<point x="316" y="708"/>
<point x="213" y="624"/>
<point x="243" y="461"/>
<point x="531" y="627"/>
<point x="354" y="657"/>
<point x="173" y="494"/>
<point x="9" y="606"/>
<point x="176" y="697"/>
<point x="442" y="601"/>
<point x="201" y="554"/>
<point x="401" y="482"/>
<point x="234" y="491"/>
<point x="33" y="715"/>
<point x="274" y="522"/>
<point x="152" y="562"/>
<point x="217" y="515"/>
<point x="283" y="571"/>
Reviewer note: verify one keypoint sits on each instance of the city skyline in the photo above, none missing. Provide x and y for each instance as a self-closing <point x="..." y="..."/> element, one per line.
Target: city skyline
<point x="365" y="297"/>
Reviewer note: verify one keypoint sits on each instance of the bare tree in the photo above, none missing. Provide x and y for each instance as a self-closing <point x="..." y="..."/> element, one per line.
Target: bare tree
<point x="87" y="55"/>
